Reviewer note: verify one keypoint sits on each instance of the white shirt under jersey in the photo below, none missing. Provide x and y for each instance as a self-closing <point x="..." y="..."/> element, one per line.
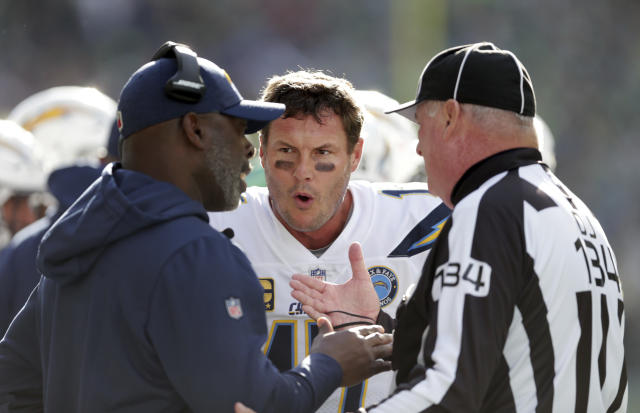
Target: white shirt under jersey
<point x="396" y="225"/>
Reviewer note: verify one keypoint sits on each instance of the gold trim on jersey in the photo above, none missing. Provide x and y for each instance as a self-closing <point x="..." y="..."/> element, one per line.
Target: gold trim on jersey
<point x="294" y="338"/>
<point x="363" y="396"/>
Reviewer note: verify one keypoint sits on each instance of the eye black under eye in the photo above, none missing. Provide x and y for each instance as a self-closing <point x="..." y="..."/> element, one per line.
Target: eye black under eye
<point x="325" y="167"/>
<point x="286" y="165"/>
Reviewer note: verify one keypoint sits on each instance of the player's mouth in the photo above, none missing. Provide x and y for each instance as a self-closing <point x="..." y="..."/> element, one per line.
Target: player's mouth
<point x="303" y="199"/>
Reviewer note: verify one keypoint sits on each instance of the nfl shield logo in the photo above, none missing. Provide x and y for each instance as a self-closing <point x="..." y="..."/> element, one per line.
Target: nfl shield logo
<point x="318" y="273"/>
<point x="234" y="309"/>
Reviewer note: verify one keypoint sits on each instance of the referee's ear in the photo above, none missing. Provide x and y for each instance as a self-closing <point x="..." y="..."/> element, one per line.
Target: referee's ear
<point x="452" y="112"/>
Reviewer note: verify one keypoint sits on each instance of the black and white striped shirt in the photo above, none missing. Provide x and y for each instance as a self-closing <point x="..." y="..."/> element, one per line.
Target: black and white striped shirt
<point x="520" y="306"/>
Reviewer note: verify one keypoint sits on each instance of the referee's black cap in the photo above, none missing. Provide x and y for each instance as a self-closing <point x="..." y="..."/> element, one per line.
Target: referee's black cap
<point x="480" y="74"/>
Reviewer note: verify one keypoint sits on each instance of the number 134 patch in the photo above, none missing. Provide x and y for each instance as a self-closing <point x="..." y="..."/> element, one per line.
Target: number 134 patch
<point x="471" y="275"/>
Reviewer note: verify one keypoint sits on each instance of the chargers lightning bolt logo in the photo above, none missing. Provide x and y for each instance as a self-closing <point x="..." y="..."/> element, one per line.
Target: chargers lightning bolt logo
<point x="431" y="237"/>
<point x="416" y="241"/>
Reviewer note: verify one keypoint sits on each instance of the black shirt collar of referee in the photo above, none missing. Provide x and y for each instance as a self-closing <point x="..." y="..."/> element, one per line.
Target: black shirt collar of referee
<point x="493" y="165"/>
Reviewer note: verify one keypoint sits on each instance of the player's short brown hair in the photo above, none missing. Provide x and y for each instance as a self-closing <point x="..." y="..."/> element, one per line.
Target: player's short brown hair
<point x="312" y="92"/>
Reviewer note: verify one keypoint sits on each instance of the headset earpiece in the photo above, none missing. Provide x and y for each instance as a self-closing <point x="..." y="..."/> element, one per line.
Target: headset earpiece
<point x="187" y="84"/>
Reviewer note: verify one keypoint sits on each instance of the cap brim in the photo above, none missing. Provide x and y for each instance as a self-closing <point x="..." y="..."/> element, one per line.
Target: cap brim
<point x="257" y="114"/>
<point x="408" y="110"/>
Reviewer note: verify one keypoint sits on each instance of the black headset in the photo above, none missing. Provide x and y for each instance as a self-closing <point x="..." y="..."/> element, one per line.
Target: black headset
<point x="187" y="84"/>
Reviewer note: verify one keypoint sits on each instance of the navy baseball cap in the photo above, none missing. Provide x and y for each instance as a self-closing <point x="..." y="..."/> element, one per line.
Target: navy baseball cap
<point x="480" y="74"/>
<point x="143" y="101"/>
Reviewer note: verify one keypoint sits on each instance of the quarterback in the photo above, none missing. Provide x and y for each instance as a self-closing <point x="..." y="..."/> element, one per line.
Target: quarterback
<point x="310" y="213"/>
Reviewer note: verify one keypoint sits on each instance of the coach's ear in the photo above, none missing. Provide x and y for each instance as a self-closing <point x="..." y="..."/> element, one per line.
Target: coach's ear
<point x="192" y="129"/>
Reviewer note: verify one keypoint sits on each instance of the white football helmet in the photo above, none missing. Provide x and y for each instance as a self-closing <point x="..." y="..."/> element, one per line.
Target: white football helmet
<point x="21" y="174"/>
<point x="390" y="141"/>
<point x="70" y="123"/>
<point x="546" y="142"/>
<point x="20" y="164"/>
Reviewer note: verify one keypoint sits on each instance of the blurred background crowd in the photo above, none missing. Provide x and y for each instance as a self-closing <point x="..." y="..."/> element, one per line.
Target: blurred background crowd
<point x="583" y="57"/>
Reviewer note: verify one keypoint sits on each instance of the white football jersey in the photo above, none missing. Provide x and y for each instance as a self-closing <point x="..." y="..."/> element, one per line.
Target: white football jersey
<point x="396" y="224"/>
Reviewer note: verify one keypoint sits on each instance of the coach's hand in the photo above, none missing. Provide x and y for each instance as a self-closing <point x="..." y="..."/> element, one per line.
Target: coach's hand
<point x="358" y="350"/>
<point x="351" y="302"/>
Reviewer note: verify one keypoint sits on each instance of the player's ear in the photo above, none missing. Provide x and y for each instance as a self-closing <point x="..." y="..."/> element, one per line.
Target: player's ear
<point x="357" y="154"/>
<point x="191" y="127"/>
<point x="261" y="139"/>
<point x="261" y="151"/>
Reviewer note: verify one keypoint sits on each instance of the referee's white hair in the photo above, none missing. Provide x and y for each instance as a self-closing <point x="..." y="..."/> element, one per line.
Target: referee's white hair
<point x="546" y="142"/>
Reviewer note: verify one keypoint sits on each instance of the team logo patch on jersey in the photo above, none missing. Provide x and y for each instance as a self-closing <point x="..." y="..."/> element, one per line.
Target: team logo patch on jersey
<point x="385" y="283"/>
<point x="234" y="309"/>
<point x="269" y="293"/>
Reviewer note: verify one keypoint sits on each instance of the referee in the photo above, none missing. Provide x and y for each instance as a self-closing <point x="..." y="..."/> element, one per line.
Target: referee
<point x="520" y="305"/>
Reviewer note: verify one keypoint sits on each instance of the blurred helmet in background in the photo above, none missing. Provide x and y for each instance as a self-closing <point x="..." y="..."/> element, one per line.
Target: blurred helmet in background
<point x="546" y="142"/>
<point x="20" y="167"/>
<point x="21" y="177"/>
<point x="390" y="141"/>
<point x="70" y="123"/>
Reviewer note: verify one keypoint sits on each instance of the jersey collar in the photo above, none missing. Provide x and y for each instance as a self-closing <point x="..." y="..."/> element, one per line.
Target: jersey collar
<point x="493" y="165"/>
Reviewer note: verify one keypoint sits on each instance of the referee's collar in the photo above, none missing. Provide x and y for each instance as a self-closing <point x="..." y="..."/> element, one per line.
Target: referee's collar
<point x="493" y="165"/>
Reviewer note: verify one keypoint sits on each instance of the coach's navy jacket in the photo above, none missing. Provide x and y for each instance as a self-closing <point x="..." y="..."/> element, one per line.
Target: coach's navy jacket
<point x="143" y="307"/>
